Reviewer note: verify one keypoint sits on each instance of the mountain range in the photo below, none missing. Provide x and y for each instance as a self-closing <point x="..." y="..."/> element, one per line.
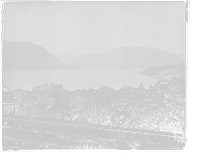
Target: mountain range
<point x="125" y="57"/>
<point x="28" y="56"/>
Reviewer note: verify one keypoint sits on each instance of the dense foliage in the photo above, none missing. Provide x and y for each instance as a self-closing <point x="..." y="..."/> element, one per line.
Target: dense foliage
<point x="96" y="113"/>
<point x="135" y="109"/>
<point x="98" y="108"/>
<point x="25" y="103"/>
<point x="158" y="88"/>
<point x="169" y="116"/>
<point x="77" y="103"/>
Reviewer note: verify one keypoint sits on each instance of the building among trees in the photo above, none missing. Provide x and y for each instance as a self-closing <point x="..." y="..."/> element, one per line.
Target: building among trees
<point x="48" y="102"/>
<point x="8" y="102"/>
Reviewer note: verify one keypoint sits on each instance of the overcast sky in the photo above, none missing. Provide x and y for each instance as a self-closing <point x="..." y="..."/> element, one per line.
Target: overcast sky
<point x="79" y="28"/>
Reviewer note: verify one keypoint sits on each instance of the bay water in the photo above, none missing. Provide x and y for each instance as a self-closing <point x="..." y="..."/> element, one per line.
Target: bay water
<point x="77" y="79"/>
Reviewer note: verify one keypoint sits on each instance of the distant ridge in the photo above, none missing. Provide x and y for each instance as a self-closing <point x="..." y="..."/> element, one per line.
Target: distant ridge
<point x="28" y="56"/>
<point x="178" y="69"/>
<point x="127" y="58"/>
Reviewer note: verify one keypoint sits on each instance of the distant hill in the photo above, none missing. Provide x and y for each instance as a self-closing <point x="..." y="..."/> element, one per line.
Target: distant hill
<point x="178" y="69"/>
<point x="28" y="56"/>
<point x="126" y="57"/>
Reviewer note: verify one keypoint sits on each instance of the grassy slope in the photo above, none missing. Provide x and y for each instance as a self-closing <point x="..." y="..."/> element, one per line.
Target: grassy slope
<point x="19" y="139"/>
<point x="25" y="140"/>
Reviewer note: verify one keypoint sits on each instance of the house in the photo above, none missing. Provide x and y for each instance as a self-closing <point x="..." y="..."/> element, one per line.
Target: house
<point x="8" y="103"/>
<point x="119" y="116"/>
<point x="122" y="115"/>
<point x="47" y="101"/>
<point x="116" y="119"/>
<point x="164" y="82"/>
<point x="65" y="105"/>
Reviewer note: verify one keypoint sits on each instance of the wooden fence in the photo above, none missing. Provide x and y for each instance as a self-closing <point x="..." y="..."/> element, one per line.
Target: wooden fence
<point x="58" y="116"/>
<point x="62" y="127"/>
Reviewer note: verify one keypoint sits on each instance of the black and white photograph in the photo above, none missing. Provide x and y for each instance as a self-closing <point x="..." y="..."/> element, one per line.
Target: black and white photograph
<point x="94" y="75"/>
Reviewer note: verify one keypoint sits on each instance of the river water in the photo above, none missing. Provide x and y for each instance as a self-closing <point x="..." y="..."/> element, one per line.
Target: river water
<point x="77" y="79"/>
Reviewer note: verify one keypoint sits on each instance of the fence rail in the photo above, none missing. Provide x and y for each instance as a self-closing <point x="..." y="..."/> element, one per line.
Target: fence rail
<point x="62" y="127"/>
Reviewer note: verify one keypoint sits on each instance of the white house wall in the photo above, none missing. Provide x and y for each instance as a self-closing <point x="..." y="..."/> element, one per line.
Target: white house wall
<point x="9" y="108"/>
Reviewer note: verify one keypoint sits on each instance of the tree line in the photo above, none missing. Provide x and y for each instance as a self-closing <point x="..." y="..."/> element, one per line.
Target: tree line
<point x="99" y="107"/>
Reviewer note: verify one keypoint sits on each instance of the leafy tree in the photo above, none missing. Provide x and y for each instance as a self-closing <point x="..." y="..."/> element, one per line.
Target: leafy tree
<point x="105" y="93"/>
<point x="20" y="102"/>
<point x="123" y="97"/>
<point x="96" y="113"/>
<point x="66" y="94"/>
<point x="158" y="88"/>
<point x="56" y="95"/>
<point x="156" y="99"/>
<point x="173" y="112"/>
<point x="173" y="87"/>
<point x="174" y="80"/>
<point x="151" y="87"/>
<point x="78" y="102"/>
<point x="89" y="93"/>
<point x="182" y="84"/>
<point x="150" y="120"/>
<point x="120" y="101"/>
<point x="40" y="108"/>
<point x="55" y="108"/>
<point x="141" y="89"/>
<point x="25" y="103"/>
<point x="46" y="90"/>
<point x="135" y="110"/>
<point x="169" y="116"/>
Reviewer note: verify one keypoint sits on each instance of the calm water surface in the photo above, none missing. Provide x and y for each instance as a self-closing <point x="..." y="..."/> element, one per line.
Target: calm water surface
<point x="77" y="79"/>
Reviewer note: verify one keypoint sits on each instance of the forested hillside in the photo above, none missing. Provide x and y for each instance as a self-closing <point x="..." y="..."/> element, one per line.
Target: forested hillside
<point x="124" y="57"/>
<point x="175" y="69"/>
<point x="29" y="56"/>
